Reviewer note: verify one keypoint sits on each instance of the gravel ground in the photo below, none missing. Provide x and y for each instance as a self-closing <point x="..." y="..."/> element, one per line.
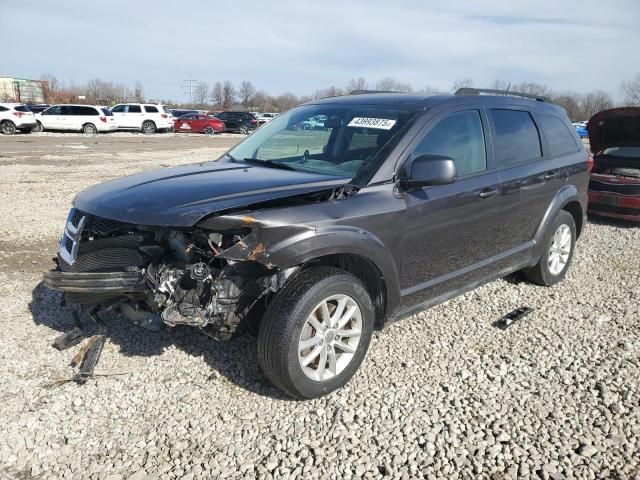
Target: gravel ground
<point x="443" y="394"/>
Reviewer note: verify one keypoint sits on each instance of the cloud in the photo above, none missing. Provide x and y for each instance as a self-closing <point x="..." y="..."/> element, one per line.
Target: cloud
<point x="302" y="46"/>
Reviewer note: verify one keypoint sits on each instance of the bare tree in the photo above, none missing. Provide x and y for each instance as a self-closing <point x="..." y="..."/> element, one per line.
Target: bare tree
<point x="246" y="92"/>
<point x="138" y="92"/>
<point x="390" y="84"/>
<point x="571" y="103"/>
<point x="462" y="83"/>
<point x="595" y="102"/>
<point x="217" y="95"/>
<point x="200" y="93"/>
<point x="631" y="91"/>
<point x="228" y="95"/>
<point x="357" y="84"/>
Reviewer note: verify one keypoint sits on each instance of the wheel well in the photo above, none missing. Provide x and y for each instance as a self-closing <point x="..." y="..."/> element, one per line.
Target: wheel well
<point x="366" y="271"/>
<point x="575" y="209"/>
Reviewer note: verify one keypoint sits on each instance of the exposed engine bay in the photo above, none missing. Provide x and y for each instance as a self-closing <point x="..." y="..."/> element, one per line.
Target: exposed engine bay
<point x="161" y="276"/>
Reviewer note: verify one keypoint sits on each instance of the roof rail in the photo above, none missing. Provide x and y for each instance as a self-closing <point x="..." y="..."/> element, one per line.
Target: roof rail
<point x="478" y="91"/>
<point x="364" y="92"/>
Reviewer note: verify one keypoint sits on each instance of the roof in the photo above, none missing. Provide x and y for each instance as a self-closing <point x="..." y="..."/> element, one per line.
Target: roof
<point x="411" y="100"/>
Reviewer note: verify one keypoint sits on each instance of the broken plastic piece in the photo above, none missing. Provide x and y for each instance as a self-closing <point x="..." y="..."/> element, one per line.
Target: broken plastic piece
<point x="90" y="358"/>
<point x="69" y="339"/>
<point x="512" y="317"/>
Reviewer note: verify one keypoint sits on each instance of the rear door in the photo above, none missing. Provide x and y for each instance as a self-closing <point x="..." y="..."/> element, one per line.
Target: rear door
<point x="119" y="114"/>
<point x="528" y="175"/>
<point x="448" y="230"/>
<point x="134" y="116"/>
<point x="69" y="119"/>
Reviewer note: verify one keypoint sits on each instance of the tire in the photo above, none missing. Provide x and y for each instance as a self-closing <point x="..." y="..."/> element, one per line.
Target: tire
<point x="149" y="127"/>
<point x="287" y="323"/>
<point x="7" y="127"/>
<point x="89" y="129"/>
<point x="546" y="272"/>
<point x="243" y="129"/>
<point x="38" y="128"/>
<point x="209" y="130"/>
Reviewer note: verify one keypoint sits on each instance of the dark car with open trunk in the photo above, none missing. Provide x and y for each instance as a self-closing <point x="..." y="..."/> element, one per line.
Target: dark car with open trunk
<point x="314" y="238"/>
<point x="614" y="189"/>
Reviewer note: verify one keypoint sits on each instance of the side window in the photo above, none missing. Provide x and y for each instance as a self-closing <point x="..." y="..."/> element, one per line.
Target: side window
<point x="560" y="138"/>
<point x="134" y="109"/>
<point x="67" y="110"/>
<point x="3" y="109"/>
<point x="150" y="109"/>
<point x="52" y="111"/>
<point x="516" y="137"/>
<point x="87" y="111"/>
<point x="459" y="136"/>
<point x="119" y="109"/>
<point x="188" y="116"/>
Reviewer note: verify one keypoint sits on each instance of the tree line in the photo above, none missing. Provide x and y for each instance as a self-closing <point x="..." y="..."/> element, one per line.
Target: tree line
<point x="224" y="95"/>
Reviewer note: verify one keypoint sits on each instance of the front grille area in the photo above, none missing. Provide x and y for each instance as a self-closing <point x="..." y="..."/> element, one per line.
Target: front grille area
<point x="92" y="243"/>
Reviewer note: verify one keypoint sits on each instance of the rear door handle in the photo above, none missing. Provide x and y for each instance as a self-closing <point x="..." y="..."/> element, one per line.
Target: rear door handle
<point x="550" y="175"/>
<point x="486" y="193"/>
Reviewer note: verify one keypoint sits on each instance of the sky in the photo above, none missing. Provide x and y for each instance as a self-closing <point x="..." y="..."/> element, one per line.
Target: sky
<point x="302" y="46"/>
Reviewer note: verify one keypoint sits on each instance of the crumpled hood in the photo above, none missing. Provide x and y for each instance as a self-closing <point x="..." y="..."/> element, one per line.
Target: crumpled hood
<point x="616" y="127"/>
<point x="180" y="196"/>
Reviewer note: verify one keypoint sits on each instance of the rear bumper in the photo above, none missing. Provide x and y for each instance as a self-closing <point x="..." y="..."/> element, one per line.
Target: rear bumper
<point x="95" y="282"/>
<point x="615" y="206"/>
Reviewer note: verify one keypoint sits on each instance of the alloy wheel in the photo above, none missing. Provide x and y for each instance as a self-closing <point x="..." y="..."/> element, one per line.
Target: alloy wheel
<point x="560" y="249"/>
<point x="330" y="337"/>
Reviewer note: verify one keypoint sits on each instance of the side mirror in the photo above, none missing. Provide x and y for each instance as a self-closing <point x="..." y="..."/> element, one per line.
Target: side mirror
<point x="429" y="170"/>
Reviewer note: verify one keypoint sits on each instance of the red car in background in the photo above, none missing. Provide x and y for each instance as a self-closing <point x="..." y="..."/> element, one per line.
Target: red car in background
<point x="614" y="188"/>
<point x="199" y="123"/>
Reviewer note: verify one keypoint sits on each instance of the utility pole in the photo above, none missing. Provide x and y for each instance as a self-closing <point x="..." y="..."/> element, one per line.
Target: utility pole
<point x="189" y="85"/>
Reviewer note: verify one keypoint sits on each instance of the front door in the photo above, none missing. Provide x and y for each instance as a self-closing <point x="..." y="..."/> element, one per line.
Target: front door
<point x="448" y="229"/>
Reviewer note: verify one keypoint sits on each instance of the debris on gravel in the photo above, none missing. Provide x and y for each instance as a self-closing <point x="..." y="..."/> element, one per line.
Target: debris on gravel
<point x="443" y="394"/>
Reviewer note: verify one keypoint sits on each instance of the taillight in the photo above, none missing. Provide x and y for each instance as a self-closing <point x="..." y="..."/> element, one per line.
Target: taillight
<point x="590" y="163"/>
<point x="164" y="115"/>
<point x="18" y="114"/>
<point x="103" y="119"/>
<point x="253" y="122"/>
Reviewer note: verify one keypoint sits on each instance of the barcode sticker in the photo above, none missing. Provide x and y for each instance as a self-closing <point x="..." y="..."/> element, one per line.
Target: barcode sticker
<point x="380" y="123"/>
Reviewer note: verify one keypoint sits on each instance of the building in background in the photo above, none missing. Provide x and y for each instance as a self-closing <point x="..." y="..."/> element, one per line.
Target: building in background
<point x="22" y="90"/>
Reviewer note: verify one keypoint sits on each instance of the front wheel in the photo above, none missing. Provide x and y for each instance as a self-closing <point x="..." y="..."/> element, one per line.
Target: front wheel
<point x="316" y="332"/>
<point x="38" y="128"/>
<point x="209" y="130"/>
<point x="558" y="247"/>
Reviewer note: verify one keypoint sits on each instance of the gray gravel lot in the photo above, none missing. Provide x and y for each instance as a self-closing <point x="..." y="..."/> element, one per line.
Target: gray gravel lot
<point x="443" y="394"/>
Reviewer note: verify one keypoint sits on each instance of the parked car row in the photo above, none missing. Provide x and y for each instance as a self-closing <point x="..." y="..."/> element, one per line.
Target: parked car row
<point x="142" y="117"/>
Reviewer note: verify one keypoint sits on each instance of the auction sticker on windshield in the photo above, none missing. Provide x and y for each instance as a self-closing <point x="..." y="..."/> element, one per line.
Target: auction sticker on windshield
<point x="381" y="123"/>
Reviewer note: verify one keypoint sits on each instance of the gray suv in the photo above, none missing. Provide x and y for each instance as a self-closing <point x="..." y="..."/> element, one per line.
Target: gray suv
<point x="314" y="238"/>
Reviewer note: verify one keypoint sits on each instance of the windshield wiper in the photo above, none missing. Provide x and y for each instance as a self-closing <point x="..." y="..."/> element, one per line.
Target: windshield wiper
<point x="268" y="163"/>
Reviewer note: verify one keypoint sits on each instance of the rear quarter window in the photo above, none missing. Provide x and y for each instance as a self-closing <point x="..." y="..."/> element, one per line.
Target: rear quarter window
<point x="22" y="108"/>
<point x="107" y="112"/>
<point x="515" y="137"/>
<point x="3" y="109"/>
<point x="561" y="140"/>
<point x="150" y="109"/>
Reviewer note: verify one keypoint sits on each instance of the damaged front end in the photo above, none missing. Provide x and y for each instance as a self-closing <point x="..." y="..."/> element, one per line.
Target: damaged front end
<point x="159" y="276"/>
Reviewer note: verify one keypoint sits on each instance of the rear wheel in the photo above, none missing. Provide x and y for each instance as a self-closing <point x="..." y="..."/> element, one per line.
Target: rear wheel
<point x="558" y="247"/>
<point x="7" y="127"/>
<point x="209" y="130"/>
<point x="243" y="129"/>
<point x="38" y="128"/>
<point x="148" y="127"/>
<point x="316" y="332"/>
<point x="89" y="129"/>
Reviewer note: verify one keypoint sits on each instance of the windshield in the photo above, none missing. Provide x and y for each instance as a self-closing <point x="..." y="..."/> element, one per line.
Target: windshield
<point x="626" y="152"/>
<point x="342" y="140"/>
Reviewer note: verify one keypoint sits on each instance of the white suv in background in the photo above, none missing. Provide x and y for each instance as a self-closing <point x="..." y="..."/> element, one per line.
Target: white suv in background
<point x="78" y="118"/>
<point x="266" y="117"/>
<point x="15" y="116"/>
<point x="144" y="117"/>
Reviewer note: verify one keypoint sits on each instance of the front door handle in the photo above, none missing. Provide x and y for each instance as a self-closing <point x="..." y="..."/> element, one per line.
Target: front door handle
<point x="486" y="193"/>
<point x="550" y="175"/>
